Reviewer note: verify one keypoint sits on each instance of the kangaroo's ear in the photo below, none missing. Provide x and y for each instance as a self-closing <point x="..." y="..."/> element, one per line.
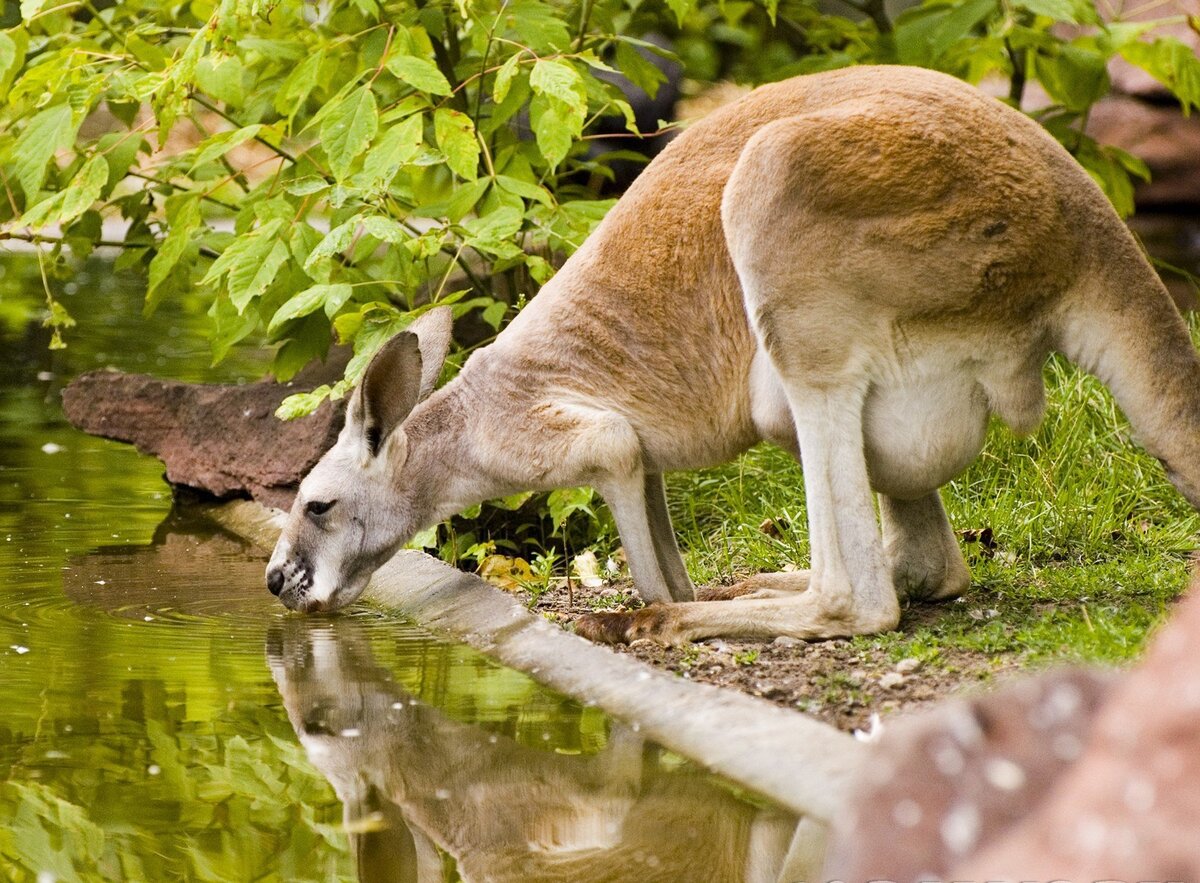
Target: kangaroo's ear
<point x="402" y="373"/>
<point x="388" y="391"/>
<point x="433" y="337"/>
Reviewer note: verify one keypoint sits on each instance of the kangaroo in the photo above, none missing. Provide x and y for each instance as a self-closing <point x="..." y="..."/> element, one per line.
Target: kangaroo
<point x="859" y="266"/>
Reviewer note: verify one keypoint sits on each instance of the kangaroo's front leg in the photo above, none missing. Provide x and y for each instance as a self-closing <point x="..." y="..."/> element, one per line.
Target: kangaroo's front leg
<point x="626" y="498"/>
<point x="670" y="562"/>
<point x="849" y="587"/>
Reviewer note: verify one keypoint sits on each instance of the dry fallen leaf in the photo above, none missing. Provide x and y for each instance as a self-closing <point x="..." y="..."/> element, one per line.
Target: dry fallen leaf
<point x="506" y="573"/>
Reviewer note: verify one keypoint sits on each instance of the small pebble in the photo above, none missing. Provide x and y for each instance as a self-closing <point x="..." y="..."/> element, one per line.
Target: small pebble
<point x="786" y="641"/>
<point x="908" y="666"/>
<point x="891" y="679"/>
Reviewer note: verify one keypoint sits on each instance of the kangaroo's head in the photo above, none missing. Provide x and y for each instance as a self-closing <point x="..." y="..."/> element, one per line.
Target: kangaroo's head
<point x="359" y="504"/>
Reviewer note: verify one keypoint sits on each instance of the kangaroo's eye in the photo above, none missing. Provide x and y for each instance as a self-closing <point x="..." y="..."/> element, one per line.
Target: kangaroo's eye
<point x="318" y="507"/>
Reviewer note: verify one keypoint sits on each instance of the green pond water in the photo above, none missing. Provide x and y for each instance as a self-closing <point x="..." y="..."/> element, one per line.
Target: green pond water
<point x="163" y="718"/>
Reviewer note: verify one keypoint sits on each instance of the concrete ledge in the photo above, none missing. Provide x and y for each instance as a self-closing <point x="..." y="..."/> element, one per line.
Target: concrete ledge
<point x="802" y="764"/>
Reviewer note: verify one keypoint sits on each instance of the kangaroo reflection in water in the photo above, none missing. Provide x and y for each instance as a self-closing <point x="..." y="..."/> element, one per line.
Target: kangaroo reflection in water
<point x="413" y="782"/>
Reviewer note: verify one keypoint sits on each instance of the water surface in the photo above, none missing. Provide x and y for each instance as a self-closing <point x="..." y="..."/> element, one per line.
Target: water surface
<point x="164" y="718"/>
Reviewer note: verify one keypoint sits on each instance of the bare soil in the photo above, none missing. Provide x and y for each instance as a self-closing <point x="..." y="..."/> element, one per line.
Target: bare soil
<point x="842" y="681"/>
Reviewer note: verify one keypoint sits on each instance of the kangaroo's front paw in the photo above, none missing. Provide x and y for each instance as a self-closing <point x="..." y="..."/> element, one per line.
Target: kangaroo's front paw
<point x="653" y="622"/>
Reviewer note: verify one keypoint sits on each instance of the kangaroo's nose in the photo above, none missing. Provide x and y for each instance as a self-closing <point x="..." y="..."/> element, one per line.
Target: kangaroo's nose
<point x="275" y="580"/>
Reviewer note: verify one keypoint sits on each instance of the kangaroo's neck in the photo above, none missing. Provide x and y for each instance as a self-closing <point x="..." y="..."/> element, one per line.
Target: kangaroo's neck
<point x="451" y="441"/>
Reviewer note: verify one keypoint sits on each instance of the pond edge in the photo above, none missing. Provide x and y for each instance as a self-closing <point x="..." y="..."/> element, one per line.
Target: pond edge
<point x="801" y="763"/>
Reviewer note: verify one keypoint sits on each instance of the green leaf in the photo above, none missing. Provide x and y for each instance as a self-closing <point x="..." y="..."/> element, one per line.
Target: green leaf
<point x="524" y="189"/>
<point x="301" y="404"/>
<point x="295" y="90"/>
<point x="493" y="232"/>
<point x="335" y="241"/>
<point x="923" y="35"/>
<point x="1074" y="76"/>
<point x="1059" y="10"/>
<point x="455" y="135"/>
<point x="348" y="130"/>
<point x="120" y="149"/>
<point x="398" y="145"/>
<point x="331" y="297"/>
<point x="681" y="8"/>
<point x="420" y="73"/>
<point x="642" y="72"/>
<point x="251" y="280"/>
<point x="1173" y="63"/>
<point x="554" y="129"/>
<point x="560" y="80"/>
<point x="565" y="502"/>
<point x="84" y="189"/>
<point x="172" y="248"/>
<point x="251" y="264"/>
<point x="385" y="229"/>
<point x="49" y="131"/>
<point x="229" y="326"/>
<point x="8" y="53"/>
<point x="504" y="78"/>
<point x="30" y="8"/>
<point x="223" y="142"/>
<point x="14" y="43"/>
<point x="221" y="76"/>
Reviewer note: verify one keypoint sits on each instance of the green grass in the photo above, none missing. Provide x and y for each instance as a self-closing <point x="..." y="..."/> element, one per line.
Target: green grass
<point x="1092" y="542"/>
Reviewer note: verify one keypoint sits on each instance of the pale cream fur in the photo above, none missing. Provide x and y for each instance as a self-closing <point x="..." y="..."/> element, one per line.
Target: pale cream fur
<point x="859" y="265"/>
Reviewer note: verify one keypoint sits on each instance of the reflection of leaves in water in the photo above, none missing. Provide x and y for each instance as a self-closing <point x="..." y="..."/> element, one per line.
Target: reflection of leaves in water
<point x="211" y="805"/>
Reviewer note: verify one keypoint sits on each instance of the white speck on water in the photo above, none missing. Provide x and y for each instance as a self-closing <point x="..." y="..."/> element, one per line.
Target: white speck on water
<point x="636" y="727"/>
<point x="148" y="618"/>
<point x="907" y="813"/>
<point x="45" y="375"/>
<point x="545" y="737"/>
<point x="398" y="705"/>
<point x="21" y="651"/>
<point x="960" y="828"/>
<point x="1002" y="773"/>
<point x="56" y="755"/>
<point x="351" y="733"/>
<point x="51" y="448"/>
<point x="412" y="701"/>
<point x="493" y="739"/>
<point x="442" y="794"/>
<point x="153" y="770"/>
<point x="101" y="582"/>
